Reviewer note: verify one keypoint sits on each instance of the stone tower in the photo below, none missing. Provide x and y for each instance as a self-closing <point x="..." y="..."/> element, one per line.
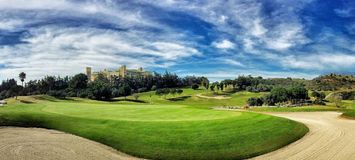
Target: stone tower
<point x="140" y="69"/>
<point x="88" y="73"/>
<point x="122" y="71"/>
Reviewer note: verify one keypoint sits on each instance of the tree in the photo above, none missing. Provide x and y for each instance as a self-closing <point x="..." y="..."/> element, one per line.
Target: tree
<point x="9" y="88"/>
<point x="173" y="92"/>
<point x="279" y="94"/>
<point x="22" y="77"/>
<point x="124" y="90"/>
<point x="78" y="82"/>
<point x="179" y="91"/>
<point x="47" y="84"/>
<point x="14" y="91"/>
<point x="336" y="99"/>
<point x="297" y="93"/>
<point x="212" y="87"/>
<point x="100" y="90"/>
<point x="205" y="83"/>
<point x="195" y="86"/>
<point x="136" y="96"/>
<point x="58" y="94"/>
<point x="255" y="101"/>
<point x="318" y="95"/>
<point x="221" y="85"/>
<point x="159" y="92"/>
<point x="217" y="86"/>
<point x="166" y="91"/>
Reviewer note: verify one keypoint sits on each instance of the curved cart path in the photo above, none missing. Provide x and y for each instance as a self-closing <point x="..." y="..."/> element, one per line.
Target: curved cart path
<point x="330" y="137"/>
<point x="43" y="144"/>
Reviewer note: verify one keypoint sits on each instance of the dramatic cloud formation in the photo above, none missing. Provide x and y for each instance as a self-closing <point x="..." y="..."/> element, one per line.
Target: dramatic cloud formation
<point x="215" y="38"/>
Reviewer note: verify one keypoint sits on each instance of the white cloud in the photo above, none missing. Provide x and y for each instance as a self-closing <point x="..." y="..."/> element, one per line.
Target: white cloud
<point x="233" y="62"/>
<point x="224" y="44"/>
<point x="9" y="24"/>
<point x="103" y="10"/>
<point x="34" y="4"/>
<point x="286" y="36"/>
<point x="62" y="50"/>
<point x="281" y="30"/>
<point x="258" y="29"/>
<point x="171" y="51"/>
<point x="319" y="61"/>
<point x="221" y="75"/>
<point x="58" y="51"/>
<point x="347" y="12"/>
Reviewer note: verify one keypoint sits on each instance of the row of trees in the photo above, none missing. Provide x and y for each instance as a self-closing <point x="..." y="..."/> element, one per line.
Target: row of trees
<point x="259" y="84"/>
<point x="279" y="95"/>
<point x="102" y="88"/>
<point x="328" y="82"/>
<point x="166" y="91"/>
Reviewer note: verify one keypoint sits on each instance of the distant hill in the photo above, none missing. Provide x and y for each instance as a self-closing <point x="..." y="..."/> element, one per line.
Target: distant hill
<point x="332" y="82"/>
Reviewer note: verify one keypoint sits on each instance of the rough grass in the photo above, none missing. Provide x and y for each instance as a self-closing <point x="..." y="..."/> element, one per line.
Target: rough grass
<point x="238" y="99"/>
<point x="313" y="108"/>
<point x="159" y="129"/>
<point x="349" y="112"/>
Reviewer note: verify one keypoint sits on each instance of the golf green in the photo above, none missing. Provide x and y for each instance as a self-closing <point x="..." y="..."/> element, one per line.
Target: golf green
<point x="159" y="131"/>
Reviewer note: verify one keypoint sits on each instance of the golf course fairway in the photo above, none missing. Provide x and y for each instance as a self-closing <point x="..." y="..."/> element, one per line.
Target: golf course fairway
<point x="159" y="131"/>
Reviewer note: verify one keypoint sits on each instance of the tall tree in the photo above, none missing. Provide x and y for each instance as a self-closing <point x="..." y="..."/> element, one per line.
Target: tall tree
<point x="22" y="77"/>
<point x="79" y="81"/>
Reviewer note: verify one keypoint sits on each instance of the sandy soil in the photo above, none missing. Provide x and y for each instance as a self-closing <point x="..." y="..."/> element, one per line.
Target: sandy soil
<point x="214" y="97"/>
<point x="43" y="144"/>
<point x="330" y="137"/>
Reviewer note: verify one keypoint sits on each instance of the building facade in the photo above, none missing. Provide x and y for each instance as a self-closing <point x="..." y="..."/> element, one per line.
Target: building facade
<point x="122" y="72"/>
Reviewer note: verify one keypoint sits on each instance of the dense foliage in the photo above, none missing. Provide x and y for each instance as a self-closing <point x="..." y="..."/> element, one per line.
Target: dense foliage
<point x="332" y="82"/>
<point x="259" y="84"/>
<point x="102" y="88"/>
<point x="296" y="94"/>
<point x="328" y="82"/>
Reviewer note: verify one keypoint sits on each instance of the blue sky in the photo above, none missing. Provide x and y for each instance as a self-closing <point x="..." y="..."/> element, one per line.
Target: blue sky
<point x="214" y="38"/>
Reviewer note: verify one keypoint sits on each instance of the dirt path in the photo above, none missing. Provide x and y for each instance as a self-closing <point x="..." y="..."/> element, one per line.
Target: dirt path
<point x="214" y="97"/>
<point x="43" y="144"/>
<point x="330" y="137"/>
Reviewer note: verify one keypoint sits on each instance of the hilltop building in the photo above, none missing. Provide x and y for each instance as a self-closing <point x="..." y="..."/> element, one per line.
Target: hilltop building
<point x="122" y="72"/>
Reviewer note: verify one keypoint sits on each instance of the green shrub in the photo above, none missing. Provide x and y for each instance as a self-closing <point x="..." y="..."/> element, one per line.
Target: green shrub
<point x="57" y="94"/>
<point x="255" y="101"/>
<point x="195" y="86"/>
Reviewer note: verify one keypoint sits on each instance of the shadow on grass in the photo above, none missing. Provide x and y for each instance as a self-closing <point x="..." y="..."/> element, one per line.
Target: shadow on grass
<point x="45" y="98"/>
<point x="26" y="101"/>
<point x="224" y="93"/>
<point x="127" y="100"/>
<point x="179" y="98"/>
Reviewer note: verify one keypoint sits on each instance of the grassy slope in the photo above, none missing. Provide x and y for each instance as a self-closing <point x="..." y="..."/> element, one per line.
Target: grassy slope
<point x="350" y="109"/>
<point x="163" y="129"/>
<point x="188" y="97"/>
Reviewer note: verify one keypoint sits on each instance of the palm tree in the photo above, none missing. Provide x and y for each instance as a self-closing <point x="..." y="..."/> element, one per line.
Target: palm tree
<point x="22" y="77"/>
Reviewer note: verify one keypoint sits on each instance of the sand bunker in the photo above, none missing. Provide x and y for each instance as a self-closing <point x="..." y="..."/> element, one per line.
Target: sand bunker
<point x="43" y="144"/>
<point x="330" y="137"/>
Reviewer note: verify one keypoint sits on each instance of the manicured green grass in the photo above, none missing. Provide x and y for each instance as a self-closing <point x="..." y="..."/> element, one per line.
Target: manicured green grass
<point x="160" y="128"/>
<point x="188" y="97"/>
<point x="350" y="109"/>
<point x="349" y="114"/>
